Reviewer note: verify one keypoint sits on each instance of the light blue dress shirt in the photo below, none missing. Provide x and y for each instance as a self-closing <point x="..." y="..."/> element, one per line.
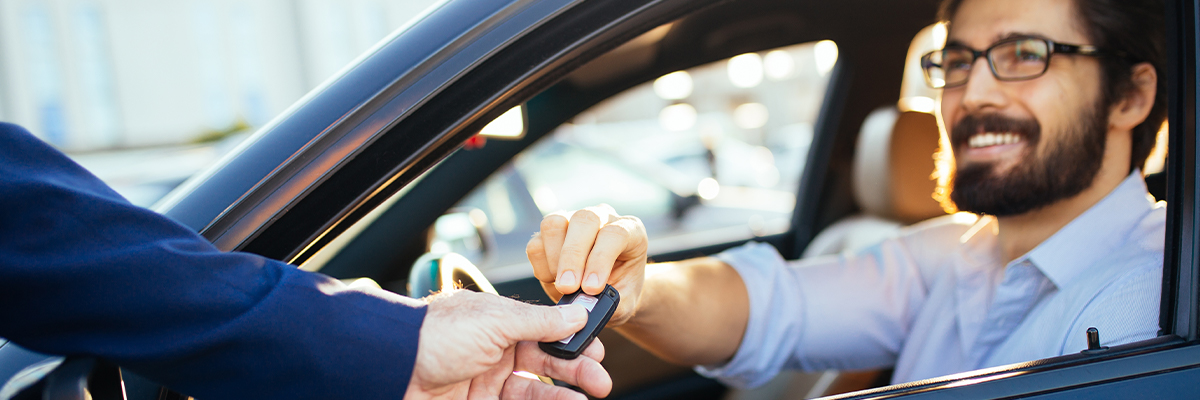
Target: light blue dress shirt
<point x="937" y="300"/>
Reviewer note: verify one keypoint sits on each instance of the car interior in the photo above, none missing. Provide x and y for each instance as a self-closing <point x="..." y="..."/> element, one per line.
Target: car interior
<point x="865" y="172"/>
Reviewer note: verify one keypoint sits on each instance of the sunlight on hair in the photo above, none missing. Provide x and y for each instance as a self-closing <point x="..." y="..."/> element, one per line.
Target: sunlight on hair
<point x="1157" y="160"/>
<point x="943" y="160"/>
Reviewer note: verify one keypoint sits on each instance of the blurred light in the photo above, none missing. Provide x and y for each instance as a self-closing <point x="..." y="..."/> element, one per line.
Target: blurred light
<point x="526" y="375"/>
<point x="677" y="117"/>
<point x="708" y="188"/>
<point x="477" y="217"/>
<point x="750" y="116"/>
<point x="674" y="86"/>
<point x="939" y="35"/>
<point x="757" y="225"/>
<point x="938" y="82"/>
<point x="746" y="70"/>
<point x="511" y="124"/>
<point x="826" y="53"/>
<point x="503" y="216"/>
<point x="918" y="104"/>
<point x="779" y="64"/>
<point x="765" y="172"/>
<point x="545" y="199"/>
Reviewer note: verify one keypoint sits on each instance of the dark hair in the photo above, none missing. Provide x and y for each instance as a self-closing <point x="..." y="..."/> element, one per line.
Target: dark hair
<point x="1135" y="28"/>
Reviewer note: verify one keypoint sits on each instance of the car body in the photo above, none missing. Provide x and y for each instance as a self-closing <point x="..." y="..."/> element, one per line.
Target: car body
<point x="363" y="166"/>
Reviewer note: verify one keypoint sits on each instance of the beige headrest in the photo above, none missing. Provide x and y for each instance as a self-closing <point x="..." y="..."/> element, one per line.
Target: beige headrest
<point x="893" y="164"/>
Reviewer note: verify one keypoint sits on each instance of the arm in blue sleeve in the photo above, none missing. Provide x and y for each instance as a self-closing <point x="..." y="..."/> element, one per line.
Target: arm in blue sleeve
<point x="83" y="272"/>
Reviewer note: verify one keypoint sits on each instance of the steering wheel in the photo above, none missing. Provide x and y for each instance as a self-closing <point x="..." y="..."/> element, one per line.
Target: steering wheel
<point x="444" y="271"/>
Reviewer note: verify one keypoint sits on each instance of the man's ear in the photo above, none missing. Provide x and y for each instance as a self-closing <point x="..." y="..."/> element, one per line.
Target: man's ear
<point x="1135" y="105"/>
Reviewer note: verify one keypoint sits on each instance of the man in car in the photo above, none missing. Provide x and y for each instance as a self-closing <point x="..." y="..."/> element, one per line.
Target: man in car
<point x="83" y="272"/>
<point x="1049" y="108"/>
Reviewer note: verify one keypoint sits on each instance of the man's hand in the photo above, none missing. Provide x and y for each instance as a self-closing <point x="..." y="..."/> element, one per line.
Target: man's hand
<point x="472" y="342"/>
<point x="588" y="248"/>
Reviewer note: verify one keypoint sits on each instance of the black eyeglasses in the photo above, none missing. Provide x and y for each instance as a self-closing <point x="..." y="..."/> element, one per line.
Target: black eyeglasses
<point x="1014" y="59"/>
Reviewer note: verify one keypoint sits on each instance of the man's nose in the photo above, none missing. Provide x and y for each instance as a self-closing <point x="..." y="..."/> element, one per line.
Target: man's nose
<point x="982" y="90"/>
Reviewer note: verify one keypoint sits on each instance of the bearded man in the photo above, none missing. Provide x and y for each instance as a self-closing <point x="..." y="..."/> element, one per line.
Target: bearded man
<point x="1049" y="107"/>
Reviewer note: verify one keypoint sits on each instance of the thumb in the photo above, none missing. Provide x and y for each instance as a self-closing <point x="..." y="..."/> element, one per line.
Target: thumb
<point x="544" y="324"/>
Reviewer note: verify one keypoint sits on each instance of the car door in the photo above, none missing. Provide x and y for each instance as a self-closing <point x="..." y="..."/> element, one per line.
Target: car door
<point x="389" y="128"/>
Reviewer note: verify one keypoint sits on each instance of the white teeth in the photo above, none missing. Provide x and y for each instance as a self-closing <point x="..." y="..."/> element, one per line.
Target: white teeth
<point x="993" y="139"/>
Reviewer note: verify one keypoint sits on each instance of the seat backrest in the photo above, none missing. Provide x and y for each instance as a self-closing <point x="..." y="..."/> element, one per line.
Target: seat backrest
<point x="893" y="162"/>
<point x="893" y="185"/>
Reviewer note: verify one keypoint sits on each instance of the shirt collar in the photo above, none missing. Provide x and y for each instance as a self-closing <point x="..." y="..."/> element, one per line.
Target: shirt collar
<point x="1092" y="235"/>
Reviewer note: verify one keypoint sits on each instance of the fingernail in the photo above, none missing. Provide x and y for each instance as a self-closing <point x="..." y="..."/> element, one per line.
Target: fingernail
<point x="567" y="278"/>
<point x="592" y="281"/>
<point x="573" y="313"/>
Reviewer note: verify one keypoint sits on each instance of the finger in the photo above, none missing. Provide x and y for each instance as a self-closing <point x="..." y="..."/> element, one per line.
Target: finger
<point x="520" y="388"/>
<point x="595" y="350"/>
<point x="489" y="385"/>
<point x="535" y="250"/>
<point x="551" y="291"/>
<point x="584" y="372"/>
<point x="611" y="242"/>
<point x="540" y="323"/>
<point x="553" y="233"/>
<point x="581" y="236"/>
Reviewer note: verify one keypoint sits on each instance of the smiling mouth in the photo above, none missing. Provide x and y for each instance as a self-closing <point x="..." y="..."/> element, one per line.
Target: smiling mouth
<point x="989" y="139"/>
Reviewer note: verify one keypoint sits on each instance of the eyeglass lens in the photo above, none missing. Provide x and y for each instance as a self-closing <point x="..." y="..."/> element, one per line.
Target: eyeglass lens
<point x="1013" y="60"/>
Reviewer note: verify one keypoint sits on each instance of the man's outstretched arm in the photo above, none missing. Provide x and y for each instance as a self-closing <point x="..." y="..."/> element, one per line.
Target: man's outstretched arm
<point x="691" y="312"/>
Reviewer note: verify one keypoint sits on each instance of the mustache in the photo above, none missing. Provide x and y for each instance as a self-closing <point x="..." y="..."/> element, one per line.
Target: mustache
<point x="972" y="124"/>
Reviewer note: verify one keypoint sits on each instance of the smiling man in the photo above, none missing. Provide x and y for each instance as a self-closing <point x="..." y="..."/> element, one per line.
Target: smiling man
<point x="1049" y="108"/>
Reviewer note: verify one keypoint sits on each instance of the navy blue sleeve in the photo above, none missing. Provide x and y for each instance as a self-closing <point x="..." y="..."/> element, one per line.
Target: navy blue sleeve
<point x="83" y="272"/>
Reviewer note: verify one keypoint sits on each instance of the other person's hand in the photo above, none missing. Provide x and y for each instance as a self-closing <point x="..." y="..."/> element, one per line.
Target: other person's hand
<point x="588" y="248"/>
<point x="471" y="343"/>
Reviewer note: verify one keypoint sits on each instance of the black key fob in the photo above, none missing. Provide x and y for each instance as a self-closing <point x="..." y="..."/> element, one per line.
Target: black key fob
<point x="600" y="309"/>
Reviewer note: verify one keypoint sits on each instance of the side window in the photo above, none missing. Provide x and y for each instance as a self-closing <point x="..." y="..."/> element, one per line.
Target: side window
<point x="703" y="156"/>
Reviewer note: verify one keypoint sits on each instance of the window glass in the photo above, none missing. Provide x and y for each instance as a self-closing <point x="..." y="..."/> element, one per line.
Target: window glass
<point x="703" y="156"/>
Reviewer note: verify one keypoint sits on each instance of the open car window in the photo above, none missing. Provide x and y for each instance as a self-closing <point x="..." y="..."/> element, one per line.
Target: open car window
<point x="707" y="155"/>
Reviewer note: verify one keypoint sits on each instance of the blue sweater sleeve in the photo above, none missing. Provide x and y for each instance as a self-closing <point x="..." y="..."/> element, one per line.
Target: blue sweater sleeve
<point x="83" y="272"/>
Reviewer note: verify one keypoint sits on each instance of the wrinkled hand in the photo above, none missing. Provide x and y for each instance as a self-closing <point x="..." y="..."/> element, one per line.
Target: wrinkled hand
<point x="471" y="343"/>
<point x="588" y="248"/>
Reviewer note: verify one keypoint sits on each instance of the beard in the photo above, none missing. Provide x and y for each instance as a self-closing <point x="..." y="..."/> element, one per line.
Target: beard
<point x="1069" y="164"/>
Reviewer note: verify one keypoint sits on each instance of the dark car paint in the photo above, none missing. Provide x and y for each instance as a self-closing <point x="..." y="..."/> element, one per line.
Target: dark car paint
<point x="348" y="146"/>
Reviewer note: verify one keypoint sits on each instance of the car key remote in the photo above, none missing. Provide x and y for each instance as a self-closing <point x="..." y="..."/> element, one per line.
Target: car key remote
<point x="600" y="309"/>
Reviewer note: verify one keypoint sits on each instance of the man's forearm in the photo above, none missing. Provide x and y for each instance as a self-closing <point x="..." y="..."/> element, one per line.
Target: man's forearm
<point x="691" y="312"/>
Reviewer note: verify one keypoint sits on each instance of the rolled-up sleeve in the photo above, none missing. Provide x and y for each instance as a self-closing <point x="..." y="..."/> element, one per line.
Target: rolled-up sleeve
<point x="849" y="311"/>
